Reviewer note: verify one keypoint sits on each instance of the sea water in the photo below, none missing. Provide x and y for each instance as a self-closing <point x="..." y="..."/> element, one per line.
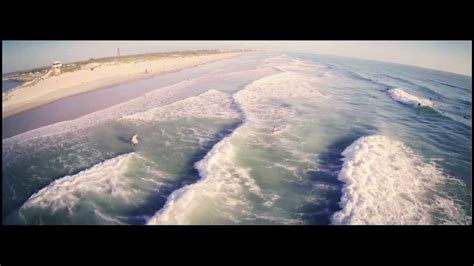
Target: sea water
<point x="353" y="147"/>
<point x="10" y="84"/>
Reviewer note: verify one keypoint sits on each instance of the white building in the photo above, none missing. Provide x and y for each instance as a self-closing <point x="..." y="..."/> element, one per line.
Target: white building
<point x="56" y="68"/>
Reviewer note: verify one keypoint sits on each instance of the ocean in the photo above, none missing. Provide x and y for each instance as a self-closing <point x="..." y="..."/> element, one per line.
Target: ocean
<point x="10" y="84"/>
<point x="356" y="142"/>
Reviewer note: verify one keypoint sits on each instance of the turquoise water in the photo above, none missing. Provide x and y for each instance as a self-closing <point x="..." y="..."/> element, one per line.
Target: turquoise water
<point x="346" y="150"/>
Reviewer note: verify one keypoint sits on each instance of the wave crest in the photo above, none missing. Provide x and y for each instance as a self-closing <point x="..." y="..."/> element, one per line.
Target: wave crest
<point x="387" y="183"/>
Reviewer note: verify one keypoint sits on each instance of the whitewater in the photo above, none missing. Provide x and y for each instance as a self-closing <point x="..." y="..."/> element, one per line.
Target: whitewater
<point x="359" y="142"/>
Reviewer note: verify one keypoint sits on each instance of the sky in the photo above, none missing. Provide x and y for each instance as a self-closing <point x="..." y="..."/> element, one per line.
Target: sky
<point x="450" y="56"/>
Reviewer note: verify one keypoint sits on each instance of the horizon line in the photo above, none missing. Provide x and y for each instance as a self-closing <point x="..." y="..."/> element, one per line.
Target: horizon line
<point x="469" y="75"/>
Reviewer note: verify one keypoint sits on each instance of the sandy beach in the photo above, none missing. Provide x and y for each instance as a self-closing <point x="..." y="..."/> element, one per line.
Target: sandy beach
<point x="93" y="76"/>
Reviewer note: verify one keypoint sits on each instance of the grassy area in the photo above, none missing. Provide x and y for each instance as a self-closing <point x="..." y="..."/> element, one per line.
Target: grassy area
<point x="27" y="75"/>
<point x="151" y="56"/>
<point x="70" y="67"/>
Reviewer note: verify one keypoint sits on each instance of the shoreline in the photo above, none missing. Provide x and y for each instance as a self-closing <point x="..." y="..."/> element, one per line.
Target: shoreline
<point x="10" y="108"/>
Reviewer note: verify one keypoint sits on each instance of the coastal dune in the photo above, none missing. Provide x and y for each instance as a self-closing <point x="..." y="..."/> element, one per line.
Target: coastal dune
<point x="95" y="75"/>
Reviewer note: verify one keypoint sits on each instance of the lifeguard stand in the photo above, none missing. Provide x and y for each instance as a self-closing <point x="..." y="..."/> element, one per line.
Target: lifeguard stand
<point x="56" y="68"/>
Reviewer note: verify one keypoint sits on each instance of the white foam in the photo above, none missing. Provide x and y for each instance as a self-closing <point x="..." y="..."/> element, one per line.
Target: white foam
<point x="105" y="178"/>
<point x="256" y="98"/>
<point x="75" y="153"/>
<point x="211" y="104"/>
<point x="287" y="64"/>
<point x="283" y="85"/>
<point x="385" y="182"/>
<point x="398" y="94"/>
<point x="224" y="183"/>
<point x="220" y="191"/>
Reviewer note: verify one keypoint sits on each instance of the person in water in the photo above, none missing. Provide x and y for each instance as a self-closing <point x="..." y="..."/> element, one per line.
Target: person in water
<point x="134" y="139"/>
<point x="274" y="129"/>
<point x="419" y="104"/>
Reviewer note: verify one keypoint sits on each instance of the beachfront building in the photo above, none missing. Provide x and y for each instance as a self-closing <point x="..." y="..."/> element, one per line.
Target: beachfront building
<point x="56" y="68"/>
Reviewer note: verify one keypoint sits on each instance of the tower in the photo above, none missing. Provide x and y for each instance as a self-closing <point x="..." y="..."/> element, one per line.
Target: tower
<point x="118" y="52"/>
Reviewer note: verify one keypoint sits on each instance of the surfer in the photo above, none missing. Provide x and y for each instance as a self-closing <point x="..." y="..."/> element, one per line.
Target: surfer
<point x="274" y="129"/>
<point x="134" y="139"/>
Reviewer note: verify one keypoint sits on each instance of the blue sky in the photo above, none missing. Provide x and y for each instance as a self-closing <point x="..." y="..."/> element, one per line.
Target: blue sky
<point x="451" y="56"/>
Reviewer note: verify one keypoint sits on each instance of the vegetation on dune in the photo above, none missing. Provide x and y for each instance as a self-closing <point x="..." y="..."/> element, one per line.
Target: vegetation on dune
<point x="151" y="56"/>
